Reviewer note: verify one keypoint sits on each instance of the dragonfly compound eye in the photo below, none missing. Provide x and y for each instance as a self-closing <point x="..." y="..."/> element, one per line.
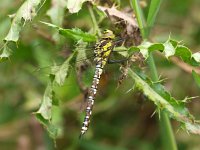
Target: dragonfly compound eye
<point x="108" y="34"/>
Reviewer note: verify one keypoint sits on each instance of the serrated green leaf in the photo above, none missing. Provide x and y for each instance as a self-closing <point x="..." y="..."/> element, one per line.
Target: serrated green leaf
<point x="144" y="49"/>
<point x="61" y="72"/>
<point x="169" y="48"/>
<point x="75" y="33"/>
<point x="196" y="78"/>
<point x="164" y="101"/>
<point x="6" y="52"/>
<point x="46" y="106"/>
<point x="52" y="130"/>
<point x="49" y="112"/>
<point x="184" y="53"/>
<point x="75" y="5"/>
<point x="156" y="46"/>
<point x="196" y="56"/>
<point x="53" y="126"/>
<point x="25" y="13"/>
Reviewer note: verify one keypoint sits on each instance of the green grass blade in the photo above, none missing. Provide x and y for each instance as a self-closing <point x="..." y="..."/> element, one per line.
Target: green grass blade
<point x="153" y="11"/>
<point x="140" y="16"/>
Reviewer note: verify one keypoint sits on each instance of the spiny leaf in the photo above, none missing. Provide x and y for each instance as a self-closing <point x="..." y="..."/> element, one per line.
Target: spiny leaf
<point x="176" y="109"/>
<point x="75" y="33"/>
<point x="47" y="114"/>
<point x="75" y="5"/>
<point x="46" y="106"/>
<point x="52" y="130"/>
<point x="26" y="12"/>
<point x="53" y="126"/>
<point x="169" y="48"/>
<point x="196" y="56"/>
<point x="61" y="72"/>
<point x="6" y="52"/>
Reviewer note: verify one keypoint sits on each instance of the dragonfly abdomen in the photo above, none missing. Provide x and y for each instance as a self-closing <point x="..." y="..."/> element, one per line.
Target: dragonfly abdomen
<point x="102" y="52"/>
<point x="91" y="97"/>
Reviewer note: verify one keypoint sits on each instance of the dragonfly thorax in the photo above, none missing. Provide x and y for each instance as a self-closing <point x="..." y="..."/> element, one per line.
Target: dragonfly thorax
<point x="104" y="47"/>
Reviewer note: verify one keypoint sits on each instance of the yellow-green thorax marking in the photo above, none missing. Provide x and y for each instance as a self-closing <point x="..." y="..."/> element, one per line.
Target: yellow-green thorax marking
<point x="102" y="51"/>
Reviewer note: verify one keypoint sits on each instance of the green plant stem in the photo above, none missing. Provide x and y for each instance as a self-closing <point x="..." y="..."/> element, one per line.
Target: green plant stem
<point x="94" y="21"/>
<point x="139" y="16"/>
<point x="169" y="142"/>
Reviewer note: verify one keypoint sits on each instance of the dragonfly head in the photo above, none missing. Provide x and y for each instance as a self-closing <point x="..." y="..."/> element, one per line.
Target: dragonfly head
<point x="108" y="34"/>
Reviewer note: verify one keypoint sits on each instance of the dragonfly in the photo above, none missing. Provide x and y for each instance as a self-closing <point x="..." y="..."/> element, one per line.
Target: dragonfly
<point x="102" y="52"/>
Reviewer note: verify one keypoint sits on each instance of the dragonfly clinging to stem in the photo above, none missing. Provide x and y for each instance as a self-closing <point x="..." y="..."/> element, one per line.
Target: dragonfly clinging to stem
<point x="102" y="51"/>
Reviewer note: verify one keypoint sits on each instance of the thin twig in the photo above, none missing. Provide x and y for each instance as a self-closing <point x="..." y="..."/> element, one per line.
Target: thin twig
<point x="184" y="66"/>
<point x="187" y="68"/>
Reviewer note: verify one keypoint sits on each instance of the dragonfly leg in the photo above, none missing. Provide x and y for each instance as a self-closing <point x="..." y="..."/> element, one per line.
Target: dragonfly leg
<point x="119" y="50"/>
<point x="117" y="61"/>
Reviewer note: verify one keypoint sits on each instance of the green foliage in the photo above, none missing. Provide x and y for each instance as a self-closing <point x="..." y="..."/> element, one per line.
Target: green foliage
<point x="26" y="12"/>
<point x="169" y="48"/>
<point x="176" y="109"/>
<point x="75" y="5"/>
<point x="54" y="103"/>
<point x="196" y="78"/>
<point x="46" y="111"/>
<point x="75" y="34"/>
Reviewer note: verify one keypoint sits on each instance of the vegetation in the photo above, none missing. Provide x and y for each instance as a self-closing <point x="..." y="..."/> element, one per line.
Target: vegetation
<point x="46" y="71"/>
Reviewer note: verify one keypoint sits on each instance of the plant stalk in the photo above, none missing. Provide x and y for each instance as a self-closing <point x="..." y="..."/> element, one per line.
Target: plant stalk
<point x="165" y="126"/>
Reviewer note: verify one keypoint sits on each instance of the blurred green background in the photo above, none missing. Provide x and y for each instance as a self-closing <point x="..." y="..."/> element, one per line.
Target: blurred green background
<point x="121" y="121"/>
